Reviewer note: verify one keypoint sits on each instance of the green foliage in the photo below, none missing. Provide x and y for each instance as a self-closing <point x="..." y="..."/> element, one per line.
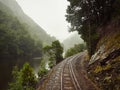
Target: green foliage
<point x="58" y="50"/>
<point x="36" y="32"/>
<point x="20" y="38"/>
<point x="86" y="16"/>
<point x="52" y="61"/>
<point x="23" y="79"/>
<point x="42" y="69"/>
<point x="28" y="76"/>
<point x="42" y="72"/>
<point x="76" y="49"/>
<point x="16" y="84"/>
<point x="47" y="49"/>
<point x="53" y="54"/>
<point x="15" y="41"/>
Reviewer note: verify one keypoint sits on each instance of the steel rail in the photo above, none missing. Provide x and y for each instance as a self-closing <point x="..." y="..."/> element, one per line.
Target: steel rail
<point x="75" y="81"/>
<point x="62" y="73"/>
<point x="71" y="71"/>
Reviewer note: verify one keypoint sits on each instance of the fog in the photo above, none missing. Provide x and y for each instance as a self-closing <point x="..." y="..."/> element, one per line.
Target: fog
<point x="49" y="14"/>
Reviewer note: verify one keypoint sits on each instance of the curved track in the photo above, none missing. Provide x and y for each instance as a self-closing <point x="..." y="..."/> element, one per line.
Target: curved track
<point x="68" y="77"/>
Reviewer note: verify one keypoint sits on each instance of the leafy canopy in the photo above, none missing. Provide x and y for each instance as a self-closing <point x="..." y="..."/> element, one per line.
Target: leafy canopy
<point x="54" y="53"/>
<point x="74" y="50"/>
<point x="85" y="16"/>
<point x="23" y="79"/>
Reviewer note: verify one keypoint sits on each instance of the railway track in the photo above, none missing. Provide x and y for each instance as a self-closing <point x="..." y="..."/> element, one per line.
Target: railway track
<point x="68" y="77"/>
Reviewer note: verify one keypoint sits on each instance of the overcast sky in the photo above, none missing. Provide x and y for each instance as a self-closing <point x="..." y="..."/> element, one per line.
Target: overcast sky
<point x="49" y="14"/>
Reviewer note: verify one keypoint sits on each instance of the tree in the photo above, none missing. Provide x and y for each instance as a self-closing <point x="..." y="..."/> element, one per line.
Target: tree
<point x="74" y="50"/>
<point x="16" y="83"/>
<point x="86" y="16"/>
<point x="23" y="79"/>
<point x="42" y="72"/>
<point x="15" y="40"/>
<point x="53" y="53"/>
<point x="58" y="51"/>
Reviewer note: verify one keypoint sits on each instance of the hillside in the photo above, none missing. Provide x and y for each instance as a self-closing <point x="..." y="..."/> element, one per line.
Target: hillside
<point x="11" y="7"/>
<point x="104" y="65"/>
<point x="98" y="22"/>
<point x="71" y="41"/>
<point x="21" y="39"/>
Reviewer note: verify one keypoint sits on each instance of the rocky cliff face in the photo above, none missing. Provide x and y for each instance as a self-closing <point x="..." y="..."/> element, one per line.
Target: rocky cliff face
<point x="104" y="65"/>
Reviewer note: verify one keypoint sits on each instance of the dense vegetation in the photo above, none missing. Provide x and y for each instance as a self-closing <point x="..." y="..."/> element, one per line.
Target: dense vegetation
<point x="15" y="43"/>
<point x="23" y="79"/>
<point x="15" y="40"/>
<point x="86" y="16"/>
<point x="74" y="50"/>
<point x="21" y="40"/>
<point x="36" y="32"/>
<point x="54" y="53"/>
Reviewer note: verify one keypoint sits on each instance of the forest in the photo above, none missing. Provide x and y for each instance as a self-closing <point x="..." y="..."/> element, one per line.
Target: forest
<point x="28" y="53"/>
<point x="15" y="41"/>
<point x="86" y="16"/>
<point x="20" y="41"/>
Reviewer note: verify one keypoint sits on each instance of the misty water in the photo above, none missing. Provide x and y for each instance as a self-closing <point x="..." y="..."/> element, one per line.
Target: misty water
<point x="6" y="67"/>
